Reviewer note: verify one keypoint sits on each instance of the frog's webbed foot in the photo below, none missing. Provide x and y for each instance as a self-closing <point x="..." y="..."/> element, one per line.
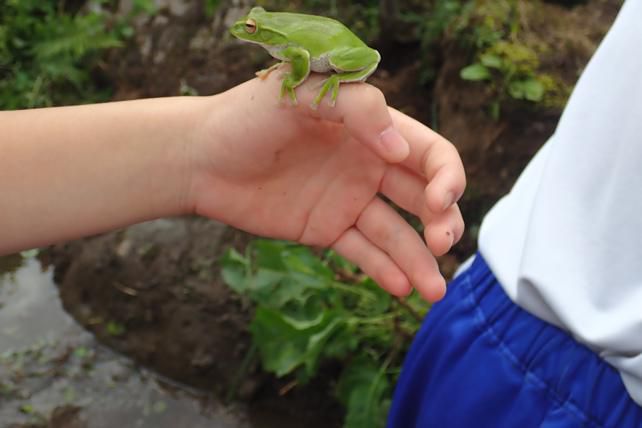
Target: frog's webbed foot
<point x="352" y="62"/>
<point x="330" y="84"/>
<point x="299" y="60"/>
<point x="263" y="74"/>
<point x="287" y="87"/>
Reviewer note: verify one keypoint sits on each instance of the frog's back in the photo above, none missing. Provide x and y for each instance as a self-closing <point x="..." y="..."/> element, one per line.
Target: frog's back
<point x="318" y="34"/>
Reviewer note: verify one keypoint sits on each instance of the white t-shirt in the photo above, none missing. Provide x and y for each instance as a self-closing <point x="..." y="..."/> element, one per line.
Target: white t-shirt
<point x="566" y="242"/>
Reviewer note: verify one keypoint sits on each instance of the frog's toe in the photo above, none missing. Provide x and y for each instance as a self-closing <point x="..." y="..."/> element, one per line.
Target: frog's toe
<point x="318" y="85"/>
<point x="292" y="95"/>
<point x="334" y="95"/>
<point x="316" y="102"/>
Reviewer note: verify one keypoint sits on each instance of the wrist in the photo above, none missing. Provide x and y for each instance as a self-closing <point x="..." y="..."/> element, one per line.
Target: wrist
<point x="211" y="129"/>
<point x="182" y="155"/>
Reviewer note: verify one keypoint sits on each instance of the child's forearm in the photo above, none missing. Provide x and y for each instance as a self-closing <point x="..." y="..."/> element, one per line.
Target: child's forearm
<point x="73" y="171"/>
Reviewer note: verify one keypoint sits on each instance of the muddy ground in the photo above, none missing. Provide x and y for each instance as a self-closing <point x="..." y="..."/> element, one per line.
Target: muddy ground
<point x="153" y="293"/>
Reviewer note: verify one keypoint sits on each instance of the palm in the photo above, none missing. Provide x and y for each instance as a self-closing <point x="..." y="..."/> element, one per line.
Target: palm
<point x="308" y="182"/>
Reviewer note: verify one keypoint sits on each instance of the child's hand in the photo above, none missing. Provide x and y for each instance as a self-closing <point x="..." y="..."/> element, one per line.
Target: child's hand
<point x="314" y="176"/>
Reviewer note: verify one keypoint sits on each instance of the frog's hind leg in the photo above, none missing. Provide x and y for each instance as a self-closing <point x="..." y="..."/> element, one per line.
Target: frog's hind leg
<point x="352" y="65"/>
<point x="331" y="84"/>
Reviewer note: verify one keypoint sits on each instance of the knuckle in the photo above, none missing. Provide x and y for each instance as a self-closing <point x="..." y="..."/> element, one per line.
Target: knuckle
<point x="380" y="232"/>
<point x="372" y="98"/>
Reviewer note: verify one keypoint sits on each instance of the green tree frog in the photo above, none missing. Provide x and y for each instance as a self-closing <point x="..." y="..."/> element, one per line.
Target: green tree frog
<point x="308" y="43"/>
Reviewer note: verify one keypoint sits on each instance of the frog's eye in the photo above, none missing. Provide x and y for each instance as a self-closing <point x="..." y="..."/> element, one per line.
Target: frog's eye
<point x="250" y="26"/>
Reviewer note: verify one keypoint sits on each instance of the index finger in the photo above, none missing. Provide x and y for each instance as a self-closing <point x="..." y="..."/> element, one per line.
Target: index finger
<point x="362" y="109"/>
<point x="435" y="158"/>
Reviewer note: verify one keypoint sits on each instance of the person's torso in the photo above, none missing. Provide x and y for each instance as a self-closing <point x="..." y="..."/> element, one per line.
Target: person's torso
<point x="566" y="242"/>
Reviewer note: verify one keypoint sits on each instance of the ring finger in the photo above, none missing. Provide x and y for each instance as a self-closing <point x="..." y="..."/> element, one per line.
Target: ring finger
<point x="386" y="229"/>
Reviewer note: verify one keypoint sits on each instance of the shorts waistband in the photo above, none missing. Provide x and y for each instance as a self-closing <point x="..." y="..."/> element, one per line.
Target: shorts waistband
<point x="574" y="376"/>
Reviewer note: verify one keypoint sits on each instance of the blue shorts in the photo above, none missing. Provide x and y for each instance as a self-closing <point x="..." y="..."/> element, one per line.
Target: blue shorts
<point x="481" y="361"/>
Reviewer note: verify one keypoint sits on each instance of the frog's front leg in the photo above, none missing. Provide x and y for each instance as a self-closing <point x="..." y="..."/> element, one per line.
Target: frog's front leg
<point x="299" y="59"/>
<point x="352" y="65"/>
<point x="263" y="74"/>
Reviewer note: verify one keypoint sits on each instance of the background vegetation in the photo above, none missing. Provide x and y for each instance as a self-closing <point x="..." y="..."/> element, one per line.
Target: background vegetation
<point x="50" y="50"/>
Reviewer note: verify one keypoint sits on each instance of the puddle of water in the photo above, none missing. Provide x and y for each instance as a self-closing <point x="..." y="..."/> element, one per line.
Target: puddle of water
<point x="48" y="361"/>
<point x="31" y="311"/>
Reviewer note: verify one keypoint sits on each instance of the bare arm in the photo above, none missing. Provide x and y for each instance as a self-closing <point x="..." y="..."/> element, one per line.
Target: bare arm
<point x="240" y="157"/>
<point x="73" y="171"/>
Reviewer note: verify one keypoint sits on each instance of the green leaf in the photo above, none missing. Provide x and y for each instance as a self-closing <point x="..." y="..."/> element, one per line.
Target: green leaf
<point x="530" y="89"/>
<point x="363" y="388"/>
<point x="286" y="345"/>
<point x="114" y="328"/>
<point x="144" y="6"/>
<point x="27" y="409"/>
<point x="210" y="7"/>
<point x="491" y="61"/>
<point x="516" y="89"/>
<point x="475" y="72"/>
<point x="305" y="306"/>
<point x="280" y="275"/>
<point x="288" y="257"/>
<point x="337" y="261"/>
<point x="268" y="254"/>
<point x="234" y="270"/>
<point x="316" y="345"/>
<point x="278" y="290"/>
<point x="301" y="259"/>
<point x="81" y="352"/>
<point x="263" y="285"/>
<point x="281" y="345"/>
<point x="533" y="90"/>
<point x="379" y="301"/>
<point x="343" y="342"/>
<point x="126" y="31"/>
<point x="495" y="110"/>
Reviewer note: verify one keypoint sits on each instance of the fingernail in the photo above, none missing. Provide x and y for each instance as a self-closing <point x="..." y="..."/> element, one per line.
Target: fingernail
<point x="449" y="199"/>
<point x="396" y="146"/>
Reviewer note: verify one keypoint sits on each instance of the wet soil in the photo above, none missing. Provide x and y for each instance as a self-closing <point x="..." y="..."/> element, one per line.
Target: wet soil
<point x="152" y="292"/>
